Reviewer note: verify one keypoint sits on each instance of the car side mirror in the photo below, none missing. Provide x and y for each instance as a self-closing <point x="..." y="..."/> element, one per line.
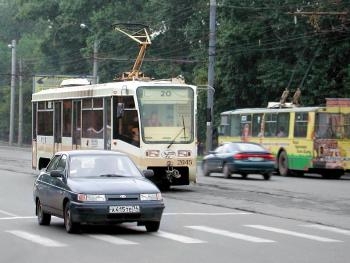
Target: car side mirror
<point x="57" y="173"/>
<point x="148" y="173"/>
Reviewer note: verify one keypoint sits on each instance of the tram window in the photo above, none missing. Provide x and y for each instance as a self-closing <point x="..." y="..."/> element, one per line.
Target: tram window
<point x="129" y="102"/>
<point x="98" y="103"/>
<point x="67" y="118"/>
<point x="45" y="123"/>
<point x="92" y="123"/>
<point x="87" y="104"/>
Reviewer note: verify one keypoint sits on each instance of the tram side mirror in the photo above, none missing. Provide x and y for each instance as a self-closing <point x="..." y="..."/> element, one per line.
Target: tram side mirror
<point x="148" y="173"/>
<point x="120" y="110"/>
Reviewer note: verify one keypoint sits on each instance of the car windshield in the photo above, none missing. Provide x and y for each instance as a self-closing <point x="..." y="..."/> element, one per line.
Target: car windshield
<point x="102" y="166"/>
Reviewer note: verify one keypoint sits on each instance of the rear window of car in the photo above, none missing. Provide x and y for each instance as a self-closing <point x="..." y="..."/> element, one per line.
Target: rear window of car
<point x="245" y="147"/>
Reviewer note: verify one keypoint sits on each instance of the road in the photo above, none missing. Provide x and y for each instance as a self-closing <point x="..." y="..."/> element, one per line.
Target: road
<point x="286" y="219"/>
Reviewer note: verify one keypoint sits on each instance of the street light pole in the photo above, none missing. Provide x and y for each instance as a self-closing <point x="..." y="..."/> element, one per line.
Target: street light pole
<point x="95" y="62"/>
<point x="13" y="80"/>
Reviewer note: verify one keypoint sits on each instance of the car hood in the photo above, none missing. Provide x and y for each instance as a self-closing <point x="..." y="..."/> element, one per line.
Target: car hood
<point x="115" y="185"/>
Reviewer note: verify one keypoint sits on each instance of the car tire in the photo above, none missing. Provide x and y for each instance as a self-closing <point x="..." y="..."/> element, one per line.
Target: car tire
<point x="226" y="171"/>
<point x="44" y="219"/>
<point x="152" y="226"/>
<point x="244" y="175"/>
<point x="205" y="169"/>
<point x="267" y="176"/>
<point x="71" y="227"/>
<point x="283" y="164"/>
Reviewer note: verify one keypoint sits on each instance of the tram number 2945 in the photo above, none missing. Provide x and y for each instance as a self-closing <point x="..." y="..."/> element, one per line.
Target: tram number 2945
<point x="184" y="162"/>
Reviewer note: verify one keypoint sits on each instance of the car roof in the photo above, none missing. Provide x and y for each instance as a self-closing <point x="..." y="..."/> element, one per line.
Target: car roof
<point x="90" y="152"/>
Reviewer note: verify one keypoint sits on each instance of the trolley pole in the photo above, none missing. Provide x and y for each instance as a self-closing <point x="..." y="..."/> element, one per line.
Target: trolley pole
<point x="212" y="43"/>
<point x="13" y="80"/>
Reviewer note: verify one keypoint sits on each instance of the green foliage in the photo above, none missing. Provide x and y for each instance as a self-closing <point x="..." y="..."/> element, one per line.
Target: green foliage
<point x="260" y="50"/>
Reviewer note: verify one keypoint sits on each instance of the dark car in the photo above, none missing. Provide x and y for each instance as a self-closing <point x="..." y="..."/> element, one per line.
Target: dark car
<point x="240" y="158"/>
<point x="96" y="187"/>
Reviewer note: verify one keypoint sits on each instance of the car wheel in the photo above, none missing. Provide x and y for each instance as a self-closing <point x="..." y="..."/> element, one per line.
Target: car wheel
<point x="205" y="169"/>
<point x="226" y="171"/>
<point x="43" y="218"/>
<point x="283" y="164"/>
<point x="152" y="226"/>
<point x="71" y="227"/>
<point x="244" y="175"/>
<point x="267" y="176"/>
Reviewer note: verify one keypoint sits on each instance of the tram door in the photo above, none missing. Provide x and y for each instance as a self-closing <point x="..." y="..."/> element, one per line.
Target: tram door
<point x="58" y="127"/>
<point x="76" y="136"/>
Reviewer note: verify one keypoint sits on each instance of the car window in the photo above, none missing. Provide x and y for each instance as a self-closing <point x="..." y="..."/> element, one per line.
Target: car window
<point x="102" y="165"/>
<point x="219" y="149"/>
<point x="53" y="163"/>
<point x="61" y="165"/>
<point x="250" y="147"/>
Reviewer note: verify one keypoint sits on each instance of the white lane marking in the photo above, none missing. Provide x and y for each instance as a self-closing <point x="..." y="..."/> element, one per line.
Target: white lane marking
<point x="112" y="239"/>
<point x="231" y="234"/>
<point x="17" y="217"/>
<point x="179" y="238"/>
<point x="329" y="228"/>
<point x="208" y="214"/>
<point x="293" y="233"/>
<point x="7" y="213"/>
<point x="36" y="238"/>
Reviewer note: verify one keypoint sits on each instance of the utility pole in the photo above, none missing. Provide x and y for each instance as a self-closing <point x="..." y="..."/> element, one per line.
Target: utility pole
<point x="20" y="105"/>
<point x="95" y="64"/>
<point x="212" y="43"/>
<point x="13" y="80"/>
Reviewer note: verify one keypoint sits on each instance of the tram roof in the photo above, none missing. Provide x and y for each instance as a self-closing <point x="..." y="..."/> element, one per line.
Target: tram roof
<point x="101" y="90"/>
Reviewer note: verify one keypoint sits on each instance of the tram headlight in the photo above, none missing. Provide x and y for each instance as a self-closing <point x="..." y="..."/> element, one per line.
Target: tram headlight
<point x="183" y="153"/>
<point x="152" y="153"/>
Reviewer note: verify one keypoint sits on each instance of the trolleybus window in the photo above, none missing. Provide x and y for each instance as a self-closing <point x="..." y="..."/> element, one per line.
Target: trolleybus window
<point x="300" y="125"/>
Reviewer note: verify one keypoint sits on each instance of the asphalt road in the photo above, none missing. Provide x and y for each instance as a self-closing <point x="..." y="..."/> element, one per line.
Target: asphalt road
<point x="286" y="219"/>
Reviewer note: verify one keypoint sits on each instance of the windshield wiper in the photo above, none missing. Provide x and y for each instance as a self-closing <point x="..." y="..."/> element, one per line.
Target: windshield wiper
<point x="111" y="175"/>
<point x="177" y="135"/>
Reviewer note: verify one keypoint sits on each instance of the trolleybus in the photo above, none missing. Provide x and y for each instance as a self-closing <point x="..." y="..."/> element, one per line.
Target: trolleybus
<point x="304" y="139"/>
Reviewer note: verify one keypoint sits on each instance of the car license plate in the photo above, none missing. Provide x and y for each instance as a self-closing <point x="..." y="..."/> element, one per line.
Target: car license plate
<point x="124" y="209"/>
<point x="255" y="159"/>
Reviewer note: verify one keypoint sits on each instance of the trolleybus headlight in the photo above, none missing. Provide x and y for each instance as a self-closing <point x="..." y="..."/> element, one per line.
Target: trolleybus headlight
<point x="151" y="197"/>
<point x="91" y="198"/>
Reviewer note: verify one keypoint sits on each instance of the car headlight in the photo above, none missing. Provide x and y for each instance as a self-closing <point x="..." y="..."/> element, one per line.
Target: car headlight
<point x="91" y="198"/>
<point x="151" y="197"/>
